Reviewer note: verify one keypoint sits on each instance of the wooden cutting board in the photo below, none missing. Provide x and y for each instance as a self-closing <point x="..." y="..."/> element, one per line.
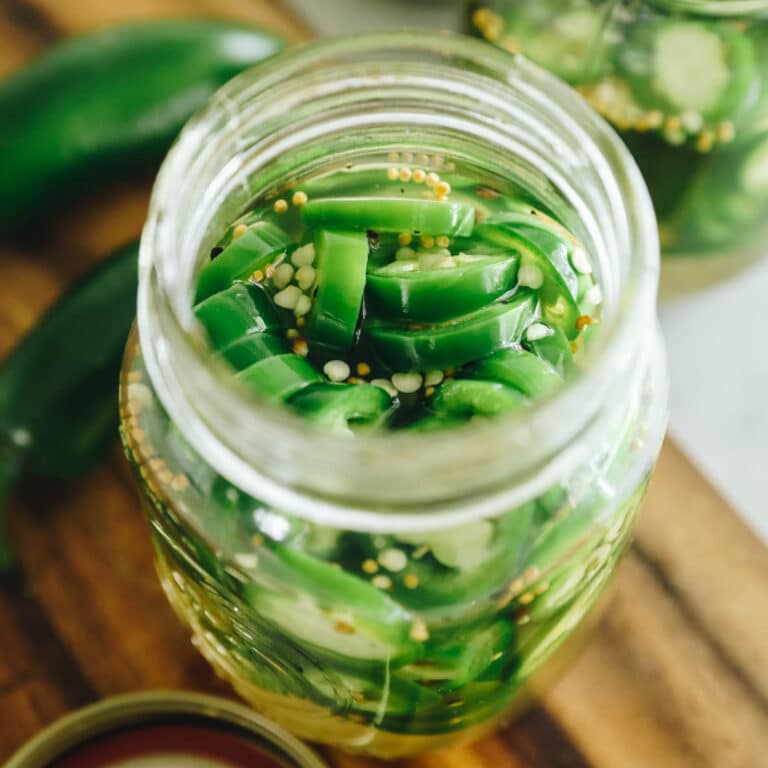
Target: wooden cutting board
<point x="676" y="673"/>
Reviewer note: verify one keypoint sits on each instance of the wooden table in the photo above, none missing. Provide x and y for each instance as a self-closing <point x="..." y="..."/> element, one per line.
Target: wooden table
<point x="676" y="673"/>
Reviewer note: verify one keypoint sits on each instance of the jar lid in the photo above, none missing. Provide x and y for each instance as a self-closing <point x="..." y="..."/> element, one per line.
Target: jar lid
<point x="164" y="729"/>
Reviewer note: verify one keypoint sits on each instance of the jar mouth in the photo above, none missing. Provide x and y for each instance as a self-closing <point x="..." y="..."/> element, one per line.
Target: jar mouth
<point x="272" y="454"/>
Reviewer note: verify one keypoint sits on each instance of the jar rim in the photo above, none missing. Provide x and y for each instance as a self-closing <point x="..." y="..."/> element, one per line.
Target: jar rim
<point x="360" y="457"/>
<point x="144" y="708"/>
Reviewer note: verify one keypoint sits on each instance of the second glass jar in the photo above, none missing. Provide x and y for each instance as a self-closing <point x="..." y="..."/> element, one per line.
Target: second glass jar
<point x="685" y="82"/>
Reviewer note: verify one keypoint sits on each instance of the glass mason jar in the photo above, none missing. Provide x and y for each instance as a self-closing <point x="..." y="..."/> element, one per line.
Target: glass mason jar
<point x="391" y="593"/>
<point x="685" y="82"/>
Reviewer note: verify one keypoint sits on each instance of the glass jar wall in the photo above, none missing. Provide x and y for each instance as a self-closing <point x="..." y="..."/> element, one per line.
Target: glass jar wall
<point x="686" y="84"/>
<point x="391" y="593"/>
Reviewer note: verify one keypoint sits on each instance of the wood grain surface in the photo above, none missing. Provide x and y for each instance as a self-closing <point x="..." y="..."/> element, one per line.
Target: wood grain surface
<point x="675" y="673"/>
